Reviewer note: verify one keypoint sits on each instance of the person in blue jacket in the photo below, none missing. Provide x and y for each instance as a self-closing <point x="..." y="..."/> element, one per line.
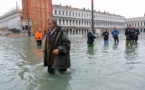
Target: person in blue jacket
<point x="90" y="37"/>
<point x="115" y="33"/>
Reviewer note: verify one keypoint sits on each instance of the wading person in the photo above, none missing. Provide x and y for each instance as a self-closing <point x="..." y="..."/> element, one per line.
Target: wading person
<point x="57" y="48"/>
<point x="137" y="32"/>
<point x="91" y="37"/>
<point x="130" y="33"/>
<point x="105" y="35"/>
<point x="115" y="33"/>
<point x="39" y="37"/>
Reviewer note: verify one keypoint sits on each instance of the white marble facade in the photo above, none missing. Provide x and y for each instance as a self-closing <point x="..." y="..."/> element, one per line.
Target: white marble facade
<point x="11" y="20"/>
<point x="138" y="22"/>
<point x="77" y="21"/>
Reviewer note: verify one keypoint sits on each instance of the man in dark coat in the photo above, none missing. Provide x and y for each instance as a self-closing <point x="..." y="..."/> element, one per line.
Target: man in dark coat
<point x="130" y="33"/>
<point x="137" y="32"/>
<point x="90" y="37"/>
<point x="57" y="48"/>
<point x="105" y="34"/>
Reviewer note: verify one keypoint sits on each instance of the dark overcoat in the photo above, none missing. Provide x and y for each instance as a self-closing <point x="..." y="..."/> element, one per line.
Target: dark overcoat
<point x="91" y="38"/>
<point x="59" y="40"/>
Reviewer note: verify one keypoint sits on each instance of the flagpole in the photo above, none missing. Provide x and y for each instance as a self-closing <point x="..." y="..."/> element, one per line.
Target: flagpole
<point x="92" y="6"/>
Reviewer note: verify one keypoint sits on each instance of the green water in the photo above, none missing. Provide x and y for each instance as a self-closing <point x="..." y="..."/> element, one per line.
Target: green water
<point x="101" y="67"/>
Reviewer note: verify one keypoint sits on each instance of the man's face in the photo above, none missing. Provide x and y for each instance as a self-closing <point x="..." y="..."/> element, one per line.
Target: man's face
<point x="90" y="30"/>
<point x="51" y="26"/>
<point x="39" y="31"/>
<point x="129" y="26"/>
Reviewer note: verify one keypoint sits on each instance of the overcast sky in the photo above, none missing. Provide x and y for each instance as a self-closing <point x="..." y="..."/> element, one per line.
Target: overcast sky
<point x="126" y="8"/>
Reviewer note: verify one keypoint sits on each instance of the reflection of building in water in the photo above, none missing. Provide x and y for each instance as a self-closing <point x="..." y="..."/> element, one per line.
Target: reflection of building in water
<point x="77" y="39"/>
<point x="137" y="22"/>
<point x="77" y="21"/>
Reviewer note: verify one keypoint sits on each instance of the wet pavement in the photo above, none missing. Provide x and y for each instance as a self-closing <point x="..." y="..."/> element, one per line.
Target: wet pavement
<point x="102" y="67"/>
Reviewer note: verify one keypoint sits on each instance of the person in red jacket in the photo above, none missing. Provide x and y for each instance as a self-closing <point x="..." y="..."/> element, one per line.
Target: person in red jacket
<point x="39" y="37"/>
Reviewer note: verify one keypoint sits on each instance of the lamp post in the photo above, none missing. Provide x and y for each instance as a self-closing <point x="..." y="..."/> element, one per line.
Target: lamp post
<point x="29" y="32"/>
<point x="92" y="8"/>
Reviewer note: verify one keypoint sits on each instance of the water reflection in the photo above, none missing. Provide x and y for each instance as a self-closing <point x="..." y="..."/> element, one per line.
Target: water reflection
<point x="115" y="45"/>
<point x="50" y="82"/>
<point x="39" y="47"/>
<point x="90" y="50"/>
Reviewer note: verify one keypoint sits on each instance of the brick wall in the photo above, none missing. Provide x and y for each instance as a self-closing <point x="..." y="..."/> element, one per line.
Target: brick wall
<point x="38" y="11"/>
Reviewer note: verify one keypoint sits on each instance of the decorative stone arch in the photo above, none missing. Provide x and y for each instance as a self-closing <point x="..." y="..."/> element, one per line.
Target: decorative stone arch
<point x="71" y="32"/>
<point x="82" y="31"/>
<point x="59" y="12"/>
<point x="26" y="27"/>
<point x="59" y="21"/>
<point x="63" y="21"/>
<point x="140" y="30"/>
<point x="70" y="22"/>
<point x="76" y="22"/>
<point x="66" y="21"/>
<point x="77" y="32"/>
<point x="82" y="23"/>
<point x="73" y="22"/>
<point x="85" y="31"/>
<point x="79" y="22"/>
<point x="23" y="28"/>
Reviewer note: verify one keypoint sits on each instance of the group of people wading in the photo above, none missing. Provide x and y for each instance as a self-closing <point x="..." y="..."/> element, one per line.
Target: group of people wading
<point x="57" y="44"/>
<point x="130" y="33"/>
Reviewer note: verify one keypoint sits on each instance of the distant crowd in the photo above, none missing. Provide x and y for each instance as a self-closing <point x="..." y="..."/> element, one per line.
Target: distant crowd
<point x="132" y="35"/>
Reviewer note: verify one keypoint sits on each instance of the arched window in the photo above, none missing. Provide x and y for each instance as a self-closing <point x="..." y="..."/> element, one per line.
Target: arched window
<point x="23" y="28"/>
<point x="66" y="22"/>
<point x="73" y="22"/>
<point x="59" y="21"/>
<point x="62" y="12"/>
<point x="26" y="27"/>
<point x="63" y="21"/>
<point x="59" y="12"/>
<point x="70" y="22"/>
<point x="55" y="12"/>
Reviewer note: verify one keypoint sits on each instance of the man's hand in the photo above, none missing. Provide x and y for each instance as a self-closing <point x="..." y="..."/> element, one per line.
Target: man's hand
<point x="56" y="51"/>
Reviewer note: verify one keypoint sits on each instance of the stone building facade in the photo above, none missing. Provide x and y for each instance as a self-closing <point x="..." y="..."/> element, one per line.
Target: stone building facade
<point x="11" y="21"/>
<point x="74" y="20"/>
<point x="78" y="21"/>
<point x="137" y="22"/>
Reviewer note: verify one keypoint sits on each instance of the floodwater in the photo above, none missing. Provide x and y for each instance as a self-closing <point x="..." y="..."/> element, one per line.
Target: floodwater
<point x="102" y="67"/>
